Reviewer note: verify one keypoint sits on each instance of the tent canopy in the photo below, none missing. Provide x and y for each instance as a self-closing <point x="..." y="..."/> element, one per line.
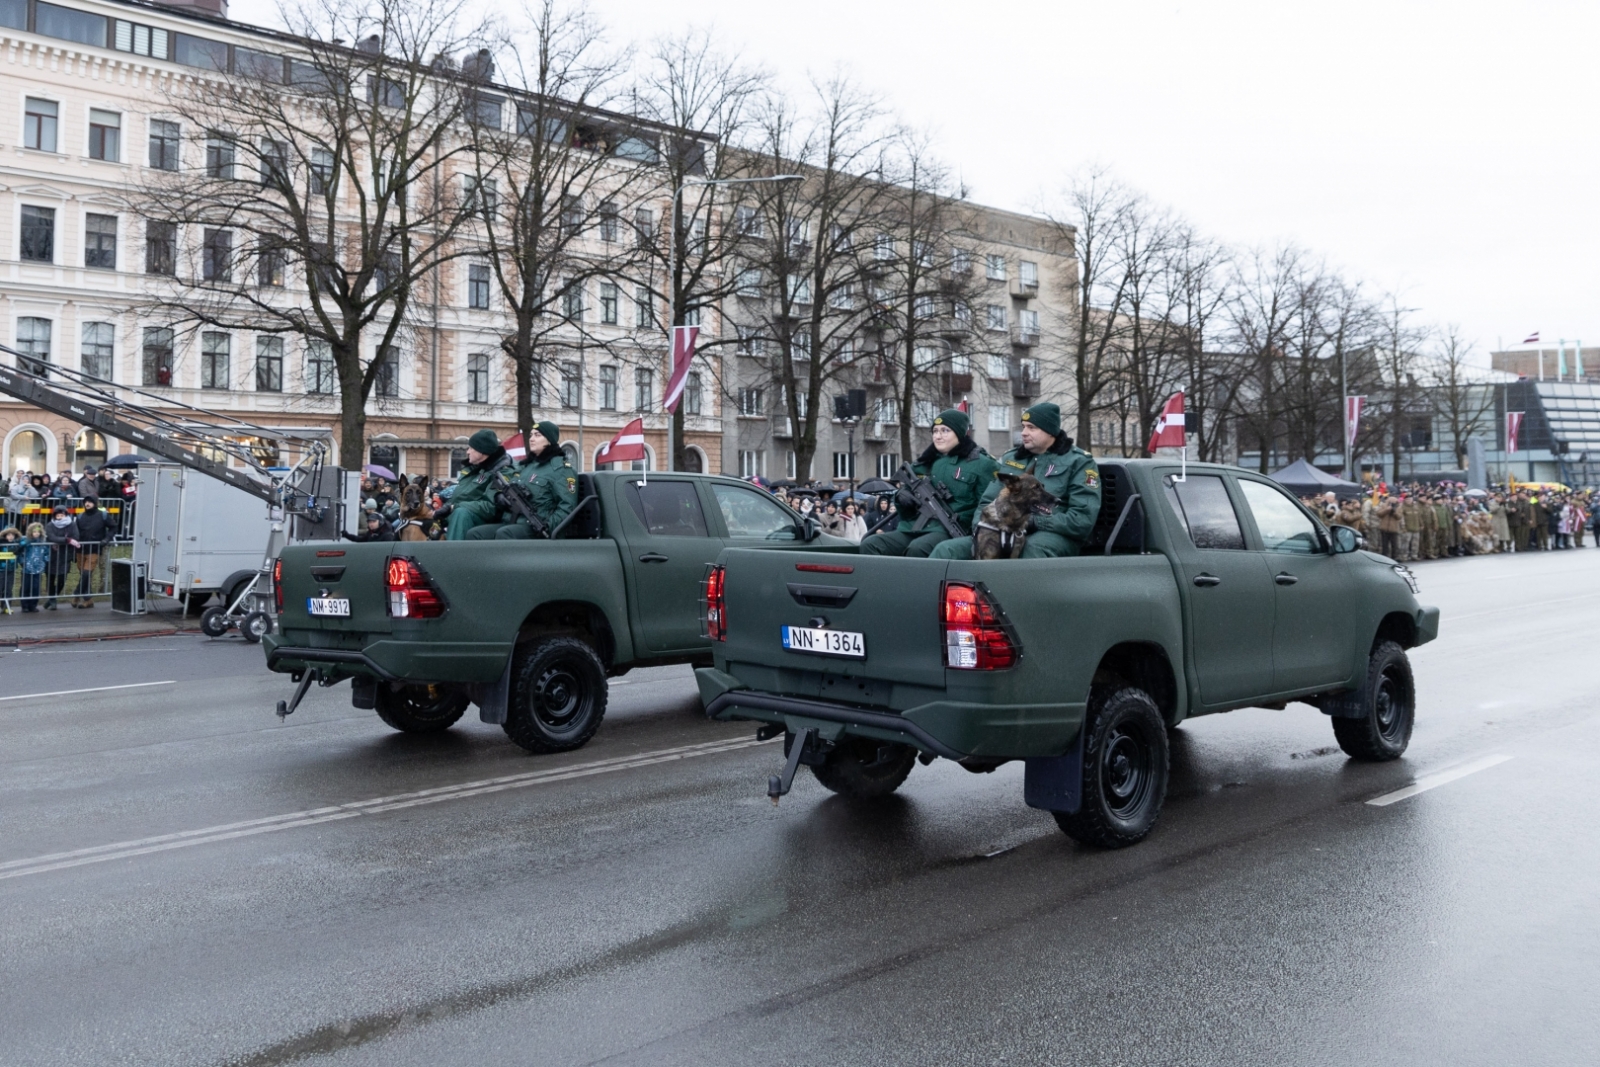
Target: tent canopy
<point x="1302" y="479"/>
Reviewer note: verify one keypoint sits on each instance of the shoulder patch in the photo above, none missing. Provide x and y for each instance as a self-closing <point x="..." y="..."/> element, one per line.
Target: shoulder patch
<point x="572" y="483"/>
<point x="1091" y="477"/>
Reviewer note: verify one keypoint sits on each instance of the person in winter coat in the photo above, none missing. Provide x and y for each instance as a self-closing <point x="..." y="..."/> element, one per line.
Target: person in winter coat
<point x="377" y="528"/>
<point x="10" y="562"/>
<point x="855" y="527"/>
<point x="94" y="532"/>
<point x="35" y="558"/>
<point x="62" y="534"/>
<point x="87" y="486"/>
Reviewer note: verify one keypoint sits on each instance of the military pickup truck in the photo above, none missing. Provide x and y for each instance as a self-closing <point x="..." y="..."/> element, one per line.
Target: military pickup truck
<point x="528" y="630"/>
<point x="1195" y="595"/>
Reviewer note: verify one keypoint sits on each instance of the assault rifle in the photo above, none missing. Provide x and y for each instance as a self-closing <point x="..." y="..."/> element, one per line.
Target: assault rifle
<point x="932" y="500"/>
<point x="518" y="499"/>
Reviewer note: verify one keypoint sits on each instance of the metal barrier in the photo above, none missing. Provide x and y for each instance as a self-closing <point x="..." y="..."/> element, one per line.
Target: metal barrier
<point x="35" y="575"/>
<point x="119" y="512"/>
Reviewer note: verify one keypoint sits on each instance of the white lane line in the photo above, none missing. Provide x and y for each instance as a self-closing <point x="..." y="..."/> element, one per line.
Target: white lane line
<point x="334" y="812"/>
<point x="1433" y="781"/>
<point x="96" y="689"/>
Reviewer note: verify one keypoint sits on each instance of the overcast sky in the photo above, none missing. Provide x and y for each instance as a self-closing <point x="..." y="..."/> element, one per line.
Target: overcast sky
<point x="1445" y="152"/>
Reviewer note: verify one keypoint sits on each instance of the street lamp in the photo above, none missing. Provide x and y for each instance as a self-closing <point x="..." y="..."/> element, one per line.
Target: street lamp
<point x="672" y="266"/>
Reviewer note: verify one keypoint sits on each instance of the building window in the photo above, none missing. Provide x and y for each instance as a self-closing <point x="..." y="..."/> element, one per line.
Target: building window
<point x="1028" y="323"/>
<point x="994" y="316"/>
<point x="98" y="349"/>
<point x="1028" y="274"/>
<point x="571" y="384"/>
<point x="216" y="255"/>
<point x="693" y="394"/>
<point x="999" y="417"/>
<point x="960" y="261"/>
<point x="999" y="367"/>
<point x="216" y="351"/>
<point x="105" y="135"/>
<point x="572" y="216"/>
<point x="33" y="341"/>
<point x="572" y="301"/>
<point x="994" y="268"/>
<point x="68" y="25"/>
<point x="888" y="463"/>
<point x="140" y="40"/>
<point x="922" y="308"/>
<point x="644" y="227"/>
<point x="842" y="297"/>
<point x="157" y="356"/>
<point x="160" y="247"/>
<point x="478" y="286"/>
<point x="269" y="364"/>
<point x="479" y="195"/>
<point x="608" y="388"/>
<point x="40" y="124"/>
<point x="791" y="463"/>
<point x="271" y="257"/>
<point x="798" y="287"/>
<point x="100" y="241"/>
<point x="752" y="463"/>
<point x="219" y="156"/>
<point x="609" y="301"/>
<point x="752" y="401"/>
<point x="844" y="465"/>
<point x="274" y="164"/>
<point x="608" y="222"/>
<point x="644" y="312"/>
<point x="883" y="247"/>
<point x="485" y="110"/>
<point x="320" y="172"/>
<point x="749" y="341"/>
<point x="800" y="345"/>
<point x="163" y="144"/>
<point x="478" y="378"/>
<point x="923" y="412"/>
<point x="961" y="311"/>
<point x="321" y="376"/>
<point x="386" y="381"/>
<point x="644" y="389"/>
<point x="887" y="411"/>
<point x="38" y="234"/>
<point x="385" y="92"/>
<point x="747" y="283"/>
<point x="747" y="222"/>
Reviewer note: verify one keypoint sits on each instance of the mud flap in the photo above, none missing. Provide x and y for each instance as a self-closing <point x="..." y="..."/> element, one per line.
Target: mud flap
<point x="492" y="697"/>
<point x="1055" y="783"/>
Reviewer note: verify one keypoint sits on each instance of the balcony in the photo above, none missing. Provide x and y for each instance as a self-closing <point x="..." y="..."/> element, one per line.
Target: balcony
<point x="1024" y="388"/>
<point x="1024" y="290"/>
<point x="951" y="383"/>
<point x="1024" y="336"/>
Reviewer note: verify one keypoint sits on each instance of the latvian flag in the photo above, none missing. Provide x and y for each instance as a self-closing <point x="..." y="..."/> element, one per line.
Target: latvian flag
<point x="626" y="447"/>
<point x="1169" y="428"/>
<point x="516" y="448"/>
<point x="1532" y="338"/>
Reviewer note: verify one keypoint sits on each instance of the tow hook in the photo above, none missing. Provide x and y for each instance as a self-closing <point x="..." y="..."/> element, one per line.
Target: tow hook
<point x="778" y="785"/>
<point x="286" y="707"/>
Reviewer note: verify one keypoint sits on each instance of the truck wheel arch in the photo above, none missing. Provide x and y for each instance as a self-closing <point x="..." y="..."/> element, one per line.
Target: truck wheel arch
<point x="577" y="618"/>
<point x="1398" y="627"/>
<point x="1145" y="666"/>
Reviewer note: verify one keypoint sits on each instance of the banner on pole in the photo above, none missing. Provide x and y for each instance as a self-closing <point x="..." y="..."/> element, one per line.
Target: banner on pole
<point x="1169" y="427"/>
<point x="1352" y="418"/>
<point x="1513" y="428"/>
<point x="683" y="339"/>
<point x="626" y="447"/>
<point x="516" y="447"/>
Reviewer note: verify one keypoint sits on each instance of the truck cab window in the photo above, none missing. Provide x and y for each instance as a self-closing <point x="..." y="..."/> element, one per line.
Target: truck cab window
<point x="1283" y="526"/>
<point x="750" y="513"/>
<point x="668" y="508"/>
<point x="1201" y="503"/>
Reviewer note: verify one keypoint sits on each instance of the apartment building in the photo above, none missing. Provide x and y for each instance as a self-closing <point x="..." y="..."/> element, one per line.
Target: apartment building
<point x="86" y="115"/>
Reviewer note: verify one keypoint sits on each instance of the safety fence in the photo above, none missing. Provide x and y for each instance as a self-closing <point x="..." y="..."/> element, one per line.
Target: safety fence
<point x="38" y="574"/>
<point x="22" y="514"/>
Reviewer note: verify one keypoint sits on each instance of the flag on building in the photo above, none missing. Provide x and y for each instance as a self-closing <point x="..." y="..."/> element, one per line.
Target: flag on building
<point x="1169" y="428"/>
<point x="1513" y="428"/>
<point x="626" y="447"/>
<point x="515" y="447"/>
<point x="683" y="339"/>
<point x="1532" y="338"/>
<point x="1352" y="418"/>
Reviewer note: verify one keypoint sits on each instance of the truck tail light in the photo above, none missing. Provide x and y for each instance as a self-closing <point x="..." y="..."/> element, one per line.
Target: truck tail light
<point x="277" y="583"/>
<point x="977" y="636"/>
<point x="411" y="593"/>
<point x="716" y="606"/>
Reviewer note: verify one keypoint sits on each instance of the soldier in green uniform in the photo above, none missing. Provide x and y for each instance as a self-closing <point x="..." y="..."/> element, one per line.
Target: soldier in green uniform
<point x="954" y="461"/>
<point x="551" y="481"/>
<point x="472" y="504"/>
<point x="1069" y="473"/>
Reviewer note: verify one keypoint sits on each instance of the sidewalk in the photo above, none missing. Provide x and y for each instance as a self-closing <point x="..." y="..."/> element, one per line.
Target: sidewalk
<point x="99" y="622"/>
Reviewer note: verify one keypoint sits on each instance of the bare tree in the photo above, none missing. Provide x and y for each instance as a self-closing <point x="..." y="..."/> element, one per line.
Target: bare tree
<point x="1461" y="399"/>
<point x="1196" y="286"/>
<point x="330" y="163"/>
<point x="1397" y="362"/>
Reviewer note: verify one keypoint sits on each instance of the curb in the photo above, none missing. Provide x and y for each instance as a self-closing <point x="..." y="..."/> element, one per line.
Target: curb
<point x="18" y="640"/>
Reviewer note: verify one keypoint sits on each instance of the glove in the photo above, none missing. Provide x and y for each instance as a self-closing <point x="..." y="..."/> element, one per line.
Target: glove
<point x="905" y="502"/>
<point x="443" y="513"/>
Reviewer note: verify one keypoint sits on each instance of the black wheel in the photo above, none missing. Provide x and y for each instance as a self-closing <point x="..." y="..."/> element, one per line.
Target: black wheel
<point x="214" y="622"/>
<point x="1388" y="705"/>
<point x="255" y="626"/>
<point x="1124" y="770"/>
<point x="420" y="709"/>
<point x="558" y="695"/>
<point x="862" y="768"/>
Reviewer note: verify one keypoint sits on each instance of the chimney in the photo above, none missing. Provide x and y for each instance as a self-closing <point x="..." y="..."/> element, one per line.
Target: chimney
<point x="479" y="66"/>
<point x="203" y="7"/>
<point x="370" y="45"/>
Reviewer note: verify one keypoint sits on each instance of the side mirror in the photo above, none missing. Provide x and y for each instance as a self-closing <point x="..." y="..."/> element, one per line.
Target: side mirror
<point x="809" y="528"/>
<point x="1345" y="540"/>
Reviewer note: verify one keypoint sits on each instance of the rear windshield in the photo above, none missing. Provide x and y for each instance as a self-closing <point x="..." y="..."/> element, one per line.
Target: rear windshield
<point x="668" y="508"/>
<point x="1201" y="504"/>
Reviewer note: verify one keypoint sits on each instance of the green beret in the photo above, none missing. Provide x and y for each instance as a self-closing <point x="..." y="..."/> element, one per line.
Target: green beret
<point x="1046" y="416"/>
<point x="484" y="441"/>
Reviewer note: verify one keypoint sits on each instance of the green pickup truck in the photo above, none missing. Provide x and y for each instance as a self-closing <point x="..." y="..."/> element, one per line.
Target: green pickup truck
<point x="1195" y="595"/>
<point x="528" y="630"/>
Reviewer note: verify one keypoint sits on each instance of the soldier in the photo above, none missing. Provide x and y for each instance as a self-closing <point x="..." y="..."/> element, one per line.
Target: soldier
<point x="955" y="462"/>
<point x="471" y="504"/>
<point x="1069" y="473"/>
<point x="551" y="482"/>
<point x="1411" y="525"/>
<point x="1389" y="527"/>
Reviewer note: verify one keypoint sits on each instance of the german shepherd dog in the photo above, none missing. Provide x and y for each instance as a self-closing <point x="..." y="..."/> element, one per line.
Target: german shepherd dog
<point x="415" y="514"/>
<point x="1002" y="529"/>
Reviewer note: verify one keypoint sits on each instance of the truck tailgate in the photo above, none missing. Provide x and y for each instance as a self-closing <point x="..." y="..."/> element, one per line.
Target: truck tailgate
<point x="893" y="603"/>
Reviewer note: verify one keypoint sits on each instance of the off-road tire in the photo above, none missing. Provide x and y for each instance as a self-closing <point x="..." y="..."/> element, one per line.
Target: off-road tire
<point x="863" y="769"/>
<point x="558" y="695"/>
<point x="255" y="626"/>
<point x="214" y="622"/>
<point x="420" y="709"/>
<point x="1125" y="765"/>
<point x="1388" y="702"/>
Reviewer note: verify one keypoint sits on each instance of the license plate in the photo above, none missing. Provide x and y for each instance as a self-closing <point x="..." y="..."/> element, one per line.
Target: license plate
<point x="824" y="642"/>
<point x="328" y="606"/>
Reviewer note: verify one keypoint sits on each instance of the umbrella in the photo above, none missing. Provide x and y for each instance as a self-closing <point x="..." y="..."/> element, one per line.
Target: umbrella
<point x="1475" y="492"/>
<point x="844" y="494"/>
<point x="127" y="459"/>
<point x="876" y="485"/>
<point x="382" y="472"/>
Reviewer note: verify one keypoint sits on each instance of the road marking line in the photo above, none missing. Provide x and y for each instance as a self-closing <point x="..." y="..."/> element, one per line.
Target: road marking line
<point x="1433" y="781"/>
<point x="96" y="689"/>
<point x="335" y="812"/>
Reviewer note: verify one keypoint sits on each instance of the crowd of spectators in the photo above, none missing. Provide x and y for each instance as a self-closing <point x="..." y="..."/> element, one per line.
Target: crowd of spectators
<point x="1415" y="522"/>
<point x="52" y="528"/>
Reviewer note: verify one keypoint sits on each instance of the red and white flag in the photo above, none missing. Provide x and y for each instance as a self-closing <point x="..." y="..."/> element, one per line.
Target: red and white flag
<point x="515" y="447"/>
<point x="683" y="338"/>
<point x="1169" y="428"/>
<point x="1532" y="338"/>
<point x="1352" y="418"/>
<point x="1513" y="428"/>
<point x="626" y="447"/>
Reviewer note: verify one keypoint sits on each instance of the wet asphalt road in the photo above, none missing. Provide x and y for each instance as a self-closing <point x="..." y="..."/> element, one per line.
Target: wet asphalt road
<point x="641" y="902"/>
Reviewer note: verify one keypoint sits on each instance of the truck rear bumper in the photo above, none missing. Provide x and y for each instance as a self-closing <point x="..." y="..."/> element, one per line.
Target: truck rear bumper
<point x="392" y="660"/>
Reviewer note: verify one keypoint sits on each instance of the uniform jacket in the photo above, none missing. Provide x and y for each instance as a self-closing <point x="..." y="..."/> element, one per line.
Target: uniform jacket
<point x="477" y="483"/>
<point x="553" y="482"/>
<point x="966" y="470"/>
<point x="1071" y="475"/>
